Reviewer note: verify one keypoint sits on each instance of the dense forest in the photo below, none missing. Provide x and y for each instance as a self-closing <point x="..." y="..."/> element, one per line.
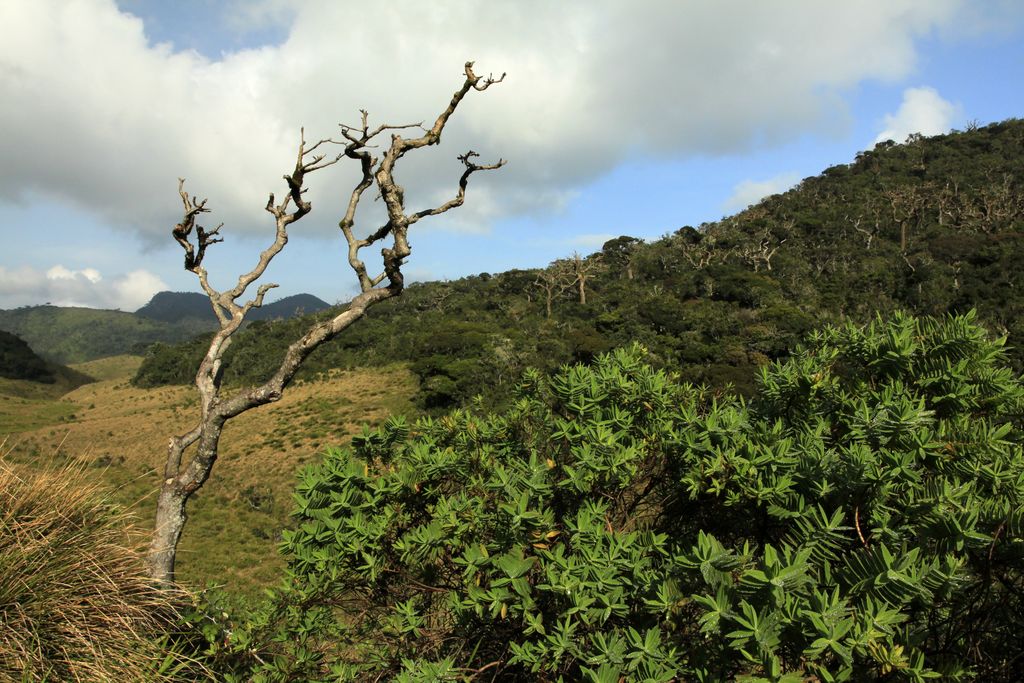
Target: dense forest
<point x="929" y="226"/>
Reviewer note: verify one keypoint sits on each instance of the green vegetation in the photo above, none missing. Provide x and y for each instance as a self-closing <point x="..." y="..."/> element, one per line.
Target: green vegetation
<point x="75" y="335"/>
<point x="74" y="601"/>
<point x="932" y="226"/>
<point x="19" y="414"/>
<point x="111" y="367"/>
<point x="193" y="308"/>
<point x="17" y="361"/>
<point x="861" y="518"/>
<point x="851" y="509"/>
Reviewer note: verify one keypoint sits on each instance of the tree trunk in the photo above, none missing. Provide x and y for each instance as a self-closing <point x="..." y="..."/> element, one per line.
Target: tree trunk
<point x="170" y="521"/>
<point x="176" y="489"/>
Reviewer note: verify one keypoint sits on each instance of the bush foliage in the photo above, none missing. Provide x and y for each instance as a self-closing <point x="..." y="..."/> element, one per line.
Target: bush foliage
<point x="859" y="518"/>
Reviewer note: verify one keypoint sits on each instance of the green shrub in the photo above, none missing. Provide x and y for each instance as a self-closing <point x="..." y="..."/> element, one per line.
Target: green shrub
<point x="859" y="519"/>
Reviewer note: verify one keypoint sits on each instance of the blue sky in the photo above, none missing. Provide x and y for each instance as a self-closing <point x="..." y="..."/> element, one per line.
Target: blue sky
<point x="616" y="117"/>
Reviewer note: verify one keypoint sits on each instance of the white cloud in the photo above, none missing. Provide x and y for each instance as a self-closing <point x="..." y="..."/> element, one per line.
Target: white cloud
<point x="59" y="272"/>
<point x="750" y="192"/>
<point x="62" y="286"/>
<point x="922" y="111"/>
<point x="98" y="116"/>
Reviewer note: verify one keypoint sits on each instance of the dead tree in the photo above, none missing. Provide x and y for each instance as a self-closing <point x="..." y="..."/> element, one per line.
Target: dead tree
<point x="183" y="476"/>
<point x="582" y="269"/>
<point x="906" y="203"/>
<point x="996" y="204"/>
<point x="554" y="281"/>
<point x="702" y="246"/>
<point x="761" y="253"/>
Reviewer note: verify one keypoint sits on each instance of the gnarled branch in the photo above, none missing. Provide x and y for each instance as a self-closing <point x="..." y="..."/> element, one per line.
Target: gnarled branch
<point x="184" y="476"/>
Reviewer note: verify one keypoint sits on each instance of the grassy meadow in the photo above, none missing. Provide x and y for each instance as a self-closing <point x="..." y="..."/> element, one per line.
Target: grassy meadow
<point x="119" y="432"/>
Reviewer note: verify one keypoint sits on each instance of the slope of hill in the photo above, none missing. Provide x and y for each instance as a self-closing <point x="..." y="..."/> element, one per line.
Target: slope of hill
<point x="177" y="307"/>
<point x="120" y="434"/>
<point x="933" y="225"/>
<point x="24" y="374"/>
<point x="30" y="388"/>
<point x="17" y="361"/>
<point x="75" y="335"/>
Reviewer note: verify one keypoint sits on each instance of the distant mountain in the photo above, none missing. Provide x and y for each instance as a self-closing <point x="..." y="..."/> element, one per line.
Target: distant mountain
<point x="19" y="362"/>
<point x="175" y="307"/>
<point x="75" y="335"/>
<point x="288" y="307"/>
<point x="172" y="307"/>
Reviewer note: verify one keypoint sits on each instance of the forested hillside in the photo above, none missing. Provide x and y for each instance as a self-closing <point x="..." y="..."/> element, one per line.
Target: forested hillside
<point x="194" y="308"/>
<point x="930" y="226"/>
<point x="19" y="362"/>
<point x="68" y="334"/>
<point x="75" y="335"/>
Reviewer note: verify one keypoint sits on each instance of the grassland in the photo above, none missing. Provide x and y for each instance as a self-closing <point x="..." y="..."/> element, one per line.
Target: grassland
<point x="119" y="432"/>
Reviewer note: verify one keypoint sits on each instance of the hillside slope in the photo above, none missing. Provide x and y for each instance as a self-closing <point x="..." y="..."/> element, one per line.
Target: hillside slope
<point x="194" y="308"/>
<point x="75" y="335"/>
<point x="931" y="226"/>
<point x="24" y="374"/>
<point x="18" y="361"/>
<point x="120" y="434"/>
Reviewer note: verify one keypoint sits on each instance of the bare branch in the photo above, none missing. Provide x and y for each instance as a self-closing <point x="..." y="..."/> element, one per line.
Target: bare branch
<point x="183" y="230"/>
<point x="258" y="300"/>
<point x="460" y="197"/>
<point x="182" y="478"/>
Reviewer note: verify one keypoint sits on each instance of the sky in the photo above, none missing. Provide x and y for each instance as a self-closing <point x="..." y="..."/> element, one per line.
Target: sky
<point x="617" y="117"/>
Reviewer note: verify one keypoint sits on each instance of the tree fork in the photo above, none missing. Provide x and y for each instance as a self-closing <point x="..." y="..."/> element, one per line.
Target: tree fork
<point x="182" y="476"/>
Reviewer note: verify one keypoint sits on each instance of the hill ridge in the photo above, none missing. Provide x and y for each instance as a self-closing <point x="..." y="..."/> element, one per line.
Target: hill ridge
<point x="930" y="226"/>
<point x="76" y="334"/>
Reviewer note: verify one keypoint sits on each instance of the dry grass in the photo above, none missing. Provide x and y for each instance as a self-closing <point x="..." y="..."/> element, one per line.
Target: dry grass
<point x="119" y="432"/>
<point x="21" y="413"/>
<point x="74" y="601"/>
<point x="114" y="367"/>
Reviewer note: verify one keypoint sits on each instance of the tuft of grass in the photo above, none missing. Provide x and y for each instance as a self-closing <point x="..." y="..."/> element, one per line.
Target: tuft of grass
<point x="75" y="604"/>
